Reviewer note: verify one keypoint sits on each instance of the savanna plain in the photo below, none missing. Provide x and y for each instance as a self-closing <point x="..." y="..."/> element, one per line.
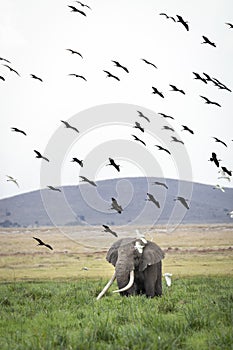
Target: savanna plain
<point x="48" y="297"/>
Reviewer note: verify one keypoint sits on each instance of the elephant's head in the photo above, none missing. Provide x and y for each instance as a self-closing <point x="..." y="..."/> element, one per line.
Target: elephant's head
<point x="131" y="257"/>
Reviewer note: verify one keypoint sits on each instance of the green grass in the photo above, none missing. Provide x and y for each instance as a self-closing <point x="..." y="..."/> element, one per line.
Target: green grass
<point x="195" y="313"/>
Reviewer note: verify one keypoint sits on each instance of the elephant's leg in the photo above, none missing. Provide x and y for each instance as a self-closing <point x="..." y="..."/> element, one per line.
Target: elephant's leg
<point x="158" y="283"/>
<point x="150" y="277"/>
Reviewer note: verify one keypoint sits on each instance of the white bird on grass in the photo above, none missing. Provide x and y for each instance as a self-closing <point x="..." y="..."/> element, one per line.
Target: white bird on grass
<point x="168" y="279"/>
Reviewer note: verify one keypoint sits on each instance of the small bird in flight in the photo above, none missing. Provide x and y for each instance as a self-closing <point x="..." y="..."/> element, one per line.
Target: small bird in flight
<point x="149" y="63"/>
<point x="141" y="115"/>
<point x="207" y="41"/>
<point x="35" y="77"/>
<point x="110" y="75"/>
<point x="10" y="178"/>
<point x="214" y="159"/>
<point x="225" y="170"/>
<point x="174" y="88"/>
<point x="39" y="155"/>
<point x="107" y="229"/>
<point x="182" y="21"/>
<point x="83" y="5"/>
<point x="18" y="130"/>
<point x="218" y="187"/>
<point x="11" y="69"/>
<point x="112" y="162"/>
<point x="165" y="127"/>
<point x="156" y="91"/>
<point x="187" y="129"/>
<point x="183" y="201"/>
<point x="151" y="198"/>
<point x="85" y="179"/>
<point x="210" y="102"/>
<point x="80" y="162"/>
<point x="42" y="243"/>
<point x="163" y="149"/>
<point x="230" y="25"/>
<point x="198" y="77"/>
<point x="116" y="206"/>
<point x="117" y="64"/>
<point x="176" y="140"/>
<point x="74" y="52"/>
<point x="54" y="188"/>
<point x="139" y="140"/>
<point x="78" y="76"/>
<point x="160" y="184"/>
<point x="220" y="141"/>
<point x="138" y="126"/>
<point x="67" y="125"/>
<point x="74" y="9"/>
<point x="4" y="59"/>
<point x="166" y="116"/>
<point x="168" y="17"/>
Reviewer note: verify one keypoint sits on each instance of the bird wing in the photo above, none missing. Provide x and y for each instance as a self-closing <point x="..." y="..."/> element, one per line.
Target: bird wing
<point x="48" y="246"/>
<point x="38" y="240"/>
<point x="38" y="153"/>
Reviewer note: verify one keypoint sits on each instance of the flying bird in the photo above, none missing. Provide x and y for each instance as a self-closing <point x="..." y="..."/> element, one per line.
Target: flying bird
<point x="165" y="127"/>
<point x="117" y="64"/>
<point x="78" y="76"/>
<point x="220" y="141"/>
<point x="10" y="178"/>
<point x="35" y="77"/>
<point x="151" y="198"/>
<point x="207" y="41"/>
<point x="107" y="229"/>
<point x="166" y="116"/>
<point x="85" y="179"/>
<point x="54" y="188"/>
<point x="218" y="187"/>
<point x="228" y="172"/>
<point x="174" y="139"/>
<point x="225" y="178"/>
<point x="2" y="78"/>
<point x="182" y="200"/>
<point x="210" y="102"/>
<point x="11" y="69"/>
<point x="116" y="206"/>
<point x="80" y="162"/>
<point x="138" y="126"/>
<point x="4" y="59"/>
<point x="230" y="213"/>
<point x="112" y="162"/>
<point x="163" y="149"/>
<point x="149" y="63"/>
<point x="174" y="88"/>
<point x="198" y="77"/>
<point x="39" y="155"/>
<point x="42" y="243"/>
<point x="168" y="17"/>
<point x="139" y="140"/>
<point x="110" y="75"/>
<point x="214" y="159"/>
<point x="168" y="279"/>
<point x="141" y="115"/>
<point x="83" y="5"/>
<point x="230" y="25"/>
<point x="182" y="21"/>
<point x="160" y="184"/>
<point x="18" y="130"/>
<point x="187" y="129"/>
<point x="67" y="125"/>
<point x="156" y="91"/>
<point x="74" y="52"/>
<point x="74" y="9"/>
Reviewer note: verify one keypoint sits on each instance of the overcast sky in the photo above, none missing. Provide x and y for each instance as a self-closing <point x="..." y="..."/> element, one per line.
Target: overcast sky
<point x="34" y="36"/>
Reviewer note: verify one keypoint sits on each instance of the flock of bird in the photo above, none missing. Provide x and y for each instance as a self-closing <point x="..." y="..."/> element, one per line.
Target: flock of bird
<point x="225" y="173"/>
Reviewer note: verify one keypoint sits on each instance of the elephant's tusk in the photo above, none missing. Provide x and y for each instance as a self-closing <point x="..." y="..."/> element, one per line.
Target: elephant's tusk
<point x="131" y="281"/>
<point x="108" y="285"/>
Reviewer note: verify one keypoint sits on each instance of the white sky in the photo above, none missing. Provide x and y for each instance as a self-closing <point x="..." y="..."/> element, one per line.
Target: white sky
<point x="34" y="36"/>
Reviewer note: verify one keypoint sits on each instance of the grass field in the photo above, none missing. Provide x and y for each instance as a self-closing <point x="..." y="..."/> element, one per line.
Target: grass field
<point x="49" y="302"/>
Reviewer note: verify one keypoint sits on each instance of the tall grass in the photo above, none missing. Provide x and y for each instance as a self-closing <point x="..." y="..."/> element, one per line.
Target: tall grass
<point x="194" y="313"/>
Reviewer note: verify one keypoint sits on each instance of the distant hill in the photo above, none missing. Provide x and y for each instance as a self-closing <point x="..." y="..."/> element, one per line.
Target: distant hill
<point x="86" y="204"/>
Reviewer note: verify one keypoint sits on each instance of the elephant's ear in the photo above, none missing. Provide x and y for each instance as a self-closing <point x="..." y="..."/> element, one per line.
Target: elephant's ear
<point x="112" y="254"/>
<point x="152" y="254"/>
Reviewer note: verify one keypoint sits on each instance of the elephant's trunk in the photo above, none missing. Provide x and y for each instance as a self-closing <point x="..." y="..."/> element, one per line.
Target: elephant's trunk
<point x="129" y="285"/>
<point x="108" y="285"/>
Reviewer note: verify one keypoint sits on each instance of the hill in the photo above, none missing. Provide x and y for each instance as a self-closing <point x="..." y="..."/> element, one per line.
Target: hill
<point x="86" y="204"/>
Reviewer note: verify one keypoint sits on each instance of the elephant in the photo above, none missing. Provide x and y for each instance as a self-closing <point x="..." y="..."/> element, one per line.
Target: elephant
<point x="138" y="267"/>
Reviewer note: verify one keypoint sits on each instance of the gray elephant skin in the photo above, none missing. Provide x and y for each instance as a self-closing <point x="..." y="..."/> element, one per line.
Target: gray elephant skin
<point x="138" y="267"/>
